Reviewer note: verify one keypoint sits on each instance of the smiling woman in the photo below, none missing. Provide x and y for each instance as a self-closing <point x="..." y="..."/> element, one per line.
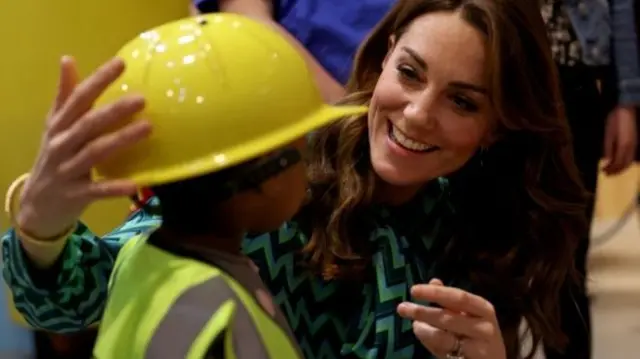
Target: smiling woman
<point x="430" y="110"/>
<point x="444" y="81"/>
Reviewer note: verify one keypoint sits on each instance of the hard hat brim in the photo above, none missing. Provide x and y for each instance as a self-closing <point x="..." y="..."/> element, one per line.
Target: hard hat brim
<point x="247" y="150"/>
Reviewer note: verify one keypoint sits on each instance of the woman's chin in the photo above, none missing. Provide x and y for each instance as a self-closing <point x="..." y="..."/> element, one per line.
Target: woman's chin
<point x="391" y="174"/>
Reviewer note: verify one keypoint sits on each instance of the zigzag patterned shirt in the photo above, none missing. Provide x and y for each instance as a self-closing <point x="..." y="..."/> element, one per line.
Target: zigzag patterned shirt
<point x="330" y="319"/>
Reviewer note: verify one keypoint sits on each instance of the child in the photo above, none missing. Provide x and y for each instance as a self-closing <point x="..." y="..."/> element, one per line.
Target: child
<point x="230" y="102"/>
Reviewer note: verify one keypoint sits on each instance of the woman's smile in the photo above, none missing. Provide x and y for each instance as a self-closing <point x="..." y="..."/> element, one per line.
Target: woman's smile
<point x="402" y="142"/>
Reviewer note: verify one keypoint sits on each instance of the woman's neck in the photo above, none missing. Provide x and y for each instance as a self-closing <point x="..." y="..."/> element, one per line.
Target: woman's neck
<point x="394" y="195"/>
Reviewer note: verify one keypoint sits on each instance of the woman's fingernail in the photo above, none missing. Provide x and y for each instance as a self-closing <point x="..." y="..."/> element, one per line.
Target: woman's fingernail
<point x="406" y="306"/>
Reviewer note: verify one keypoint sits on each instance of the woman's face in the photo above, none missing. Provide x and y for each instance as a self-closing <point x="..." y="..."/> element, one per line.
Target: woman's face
<point x="430" y="110"/>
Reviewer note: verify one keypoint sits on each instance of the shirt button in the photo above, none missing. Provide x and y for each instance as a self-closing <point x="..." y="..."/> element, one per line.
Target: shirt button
<point x="595" y="52"/>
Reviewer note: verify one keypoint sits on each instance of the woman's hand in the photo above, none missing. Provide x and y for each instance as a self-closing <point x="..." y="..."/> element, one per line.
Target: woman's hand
<point x="465" y="326"/>
<point x="76" y="138"/>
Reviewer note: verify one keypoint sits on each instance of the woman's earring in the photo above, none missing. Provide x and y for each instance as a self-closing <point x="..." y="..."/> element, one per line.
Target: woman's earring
<point x="481" y="155"/>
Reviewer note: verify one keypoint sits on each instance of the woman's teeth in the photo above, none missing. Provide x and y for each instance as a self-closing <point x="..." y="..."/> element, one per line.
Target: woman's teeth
<point x="408" y="143"/>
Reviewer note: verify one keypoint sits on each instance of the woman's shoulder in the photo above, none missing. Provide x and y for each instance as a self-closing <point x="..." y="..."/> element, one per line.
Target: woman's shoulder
<point x="286" y="241"/>
<point x="278" y="255"/>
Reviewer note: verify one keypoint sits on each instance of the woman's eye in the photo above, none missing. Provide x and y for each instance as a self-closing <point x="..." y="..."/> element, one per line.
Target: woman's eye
<point x="407" y="72"/>
<point x="464" y="104"/>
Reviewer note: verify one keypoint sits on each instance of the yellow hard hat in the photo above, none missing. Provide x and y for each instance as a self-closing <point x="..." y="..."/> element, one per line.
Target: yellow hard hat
<point x="220" y="89"/>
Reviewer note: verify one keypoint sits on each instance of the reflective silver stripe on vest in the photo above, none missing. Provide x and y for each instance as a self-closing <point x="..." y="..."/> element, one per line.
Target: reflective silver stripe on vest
<point x="189" y="315"/>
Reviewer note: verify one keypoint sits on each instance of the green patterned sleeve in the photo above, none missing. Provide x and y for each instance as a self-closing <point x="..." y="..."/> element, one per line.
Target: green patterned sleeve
<point x="70" y="296"/>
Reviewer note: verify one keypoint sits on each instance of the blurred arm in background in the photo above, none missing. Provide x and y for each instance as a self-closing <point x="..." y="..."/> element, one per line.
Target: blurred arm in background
<point x="621" y="134"/>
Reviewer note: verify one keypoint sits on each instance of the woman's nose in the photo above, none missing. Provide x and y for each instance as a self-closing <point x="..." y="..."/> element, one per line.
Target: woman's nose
<point x="421" y="110"/>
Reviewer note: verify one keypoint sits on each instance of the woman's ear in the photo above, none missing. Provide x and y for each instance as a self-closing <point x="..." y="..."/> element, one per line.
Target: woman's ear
<point x="391" y="45"/>
<point x="491" y="138"/>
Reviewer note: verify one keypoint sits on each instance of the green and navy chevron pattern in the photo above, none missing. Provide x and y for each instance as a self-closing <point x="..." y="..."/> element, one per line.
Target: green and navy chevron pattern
<point x="336" y="319"/>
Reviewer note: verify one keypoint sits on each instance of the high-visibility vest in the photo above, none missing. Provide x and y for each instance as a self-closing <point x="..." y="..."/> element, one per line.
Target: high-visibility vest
<point x="154" y="310"/>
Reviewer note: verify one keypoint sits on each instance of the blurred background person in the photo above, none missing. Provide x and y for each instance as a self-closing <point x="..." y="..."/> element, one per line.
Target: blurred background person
<point x="594" y="44"/>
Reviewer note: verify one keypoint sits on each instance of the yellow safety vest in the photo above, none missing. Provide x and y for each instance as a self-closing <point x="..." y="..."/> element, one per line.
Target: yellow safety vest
<point x="150" y="310"/>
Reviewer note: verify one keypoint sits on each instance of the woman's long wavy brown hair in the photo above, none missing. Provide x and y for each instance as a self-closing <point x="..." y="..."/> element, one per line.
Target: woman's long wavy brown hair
<point x="519" y="206"/>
